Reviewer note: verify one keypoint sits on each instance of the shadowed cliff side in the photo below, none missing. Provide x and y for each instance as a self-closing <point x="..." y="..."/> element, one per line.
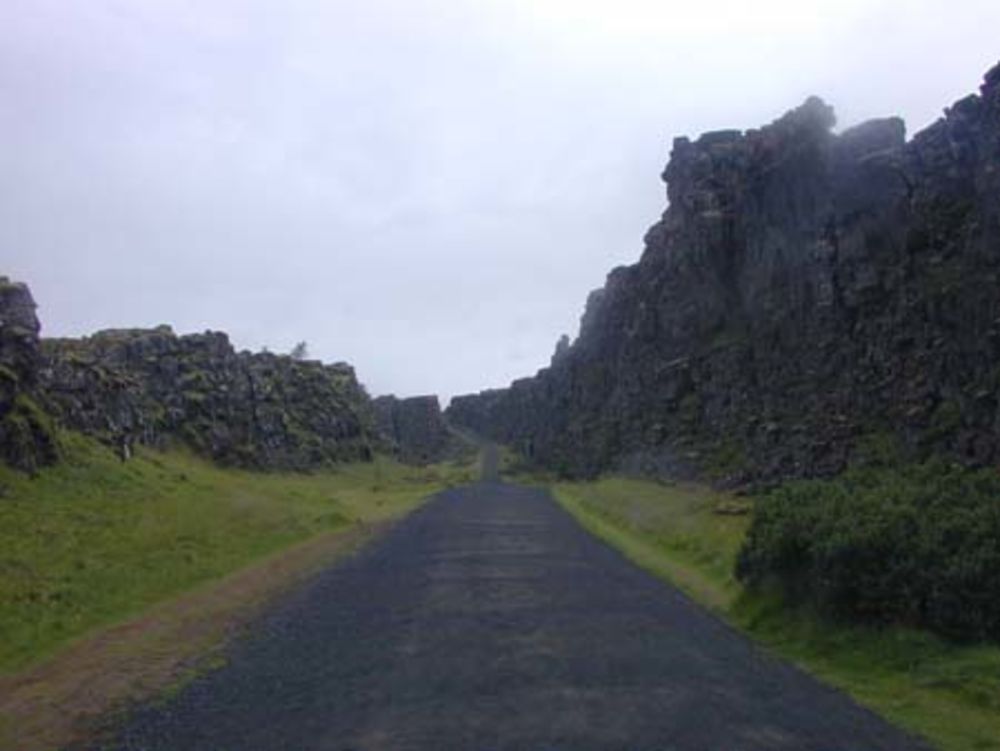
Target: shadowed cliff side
<point x="27" y="437"/>
<point x="414" y="427"/>
<point x="804" y="296"/>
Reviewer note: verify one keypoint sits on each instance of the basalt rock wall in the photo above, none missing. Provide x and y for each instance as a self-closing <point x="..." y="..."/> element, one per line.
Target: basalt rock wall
<point x="805" y="298"/>
<point x="413" y="427"/>
<point x="256" y="410"/>
<point x="27" y="438"/>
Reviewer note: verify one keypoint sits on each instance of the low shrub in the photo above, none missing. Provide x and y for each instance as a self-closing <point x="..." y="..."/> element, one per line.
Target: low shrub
<point x="917" y="545"/>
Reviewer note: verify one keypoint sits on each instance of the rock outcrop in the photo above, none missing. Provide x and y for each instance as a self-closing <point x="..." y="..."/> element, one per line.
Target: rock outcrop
<point x="27" y="438"/>
<point x="256" y="410"/>
<point x="152" y="387"/>
<point x="805" y="296"/>
<point x="413" y="428"/>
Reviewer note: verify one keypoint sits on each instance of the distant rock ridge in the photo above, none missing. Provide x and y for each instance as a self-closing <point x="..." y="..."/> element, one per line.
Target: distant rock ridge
<point x="805" y="297"/>
<point x="413" y="427"/>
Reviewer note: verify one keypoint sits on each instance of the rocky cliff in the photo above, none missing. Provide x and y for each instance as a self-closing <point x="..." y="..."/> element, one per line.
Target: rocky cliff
<point x="414" y="427"/>
<point x="27" y="438"/>
<point x="805" y="296"/>
<point x="256" y="410"/>
<point x="153" y="387"/>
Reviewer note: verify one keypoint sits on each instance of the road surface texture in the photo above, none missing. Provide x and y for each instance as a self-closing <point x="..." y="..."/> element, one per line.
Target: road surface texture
<point x="490" y="620"/>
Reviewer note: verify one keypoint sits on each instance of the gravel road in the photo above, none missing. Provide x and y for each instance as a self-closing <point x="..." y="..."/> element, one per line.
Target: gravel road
<point x="490" y="620"/>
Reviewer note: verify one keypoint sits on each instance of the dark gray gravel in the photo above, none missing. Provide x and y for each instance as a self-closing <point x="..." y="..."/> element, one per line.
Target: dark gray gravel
<point x="490" y="620"/>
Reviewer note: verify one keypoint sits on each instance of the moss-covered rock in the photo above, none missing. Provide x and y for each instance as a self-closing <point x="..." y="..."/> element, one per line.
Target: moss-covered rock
<point x="262" y="410"/>
<point x="27" y="437"/>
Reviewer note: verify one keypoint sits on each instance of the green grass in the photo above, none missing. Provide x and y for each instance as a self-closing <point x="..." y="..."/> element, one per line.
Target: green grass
<point x="92" y="541"/>
<point x="946" y="692"/>
<point x="673" y="529"/>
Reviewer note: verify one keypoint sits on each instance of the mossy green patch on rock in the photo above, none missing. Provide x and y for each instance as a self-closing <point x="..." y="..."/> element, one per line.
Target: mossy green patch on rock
<point x="728" y="458"/>
<point x="152" y="387"/>
<point x="27" y="437"/>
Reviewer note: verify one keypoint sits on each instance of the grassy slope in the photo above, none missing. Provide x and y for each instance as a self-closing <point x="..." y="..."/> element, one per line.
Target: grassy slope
<point x="93" y="541"/>
<point x="949" y="693"/>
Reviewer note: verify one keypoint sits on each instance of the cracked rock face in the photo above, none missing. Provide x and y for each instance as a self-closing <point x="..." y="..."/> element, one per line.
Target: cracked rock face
<point x="804" y="296"/>
<point x="256" y="410"/>
<point x="26" y="436"/>
<point x="150" y="386"/>
<point x="19" y="330"/>
<point x="414" y="427"/>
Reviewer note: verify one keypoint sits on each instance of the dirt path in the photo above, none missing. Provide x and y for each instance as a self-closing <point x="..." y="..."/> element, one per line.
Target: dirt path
<point x="490" y="620"/>
<point x="72" y="694"/>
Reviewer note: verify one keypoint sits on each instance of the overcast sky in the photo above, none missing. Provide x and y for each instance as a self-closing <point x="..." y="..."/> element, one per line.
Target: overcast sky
<point x="425" y="188"/>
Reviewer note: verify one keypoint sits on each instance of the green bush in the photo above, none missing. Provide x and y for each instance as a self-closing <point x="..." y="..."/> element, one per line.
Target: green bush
<point x="917" y="545"/>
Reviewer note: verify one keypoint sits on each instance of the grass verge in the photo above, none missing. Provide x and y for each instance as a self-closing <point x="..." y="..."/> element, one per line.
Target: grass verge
<point x="948" y="693"/>
<point x="116" y="579"/>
